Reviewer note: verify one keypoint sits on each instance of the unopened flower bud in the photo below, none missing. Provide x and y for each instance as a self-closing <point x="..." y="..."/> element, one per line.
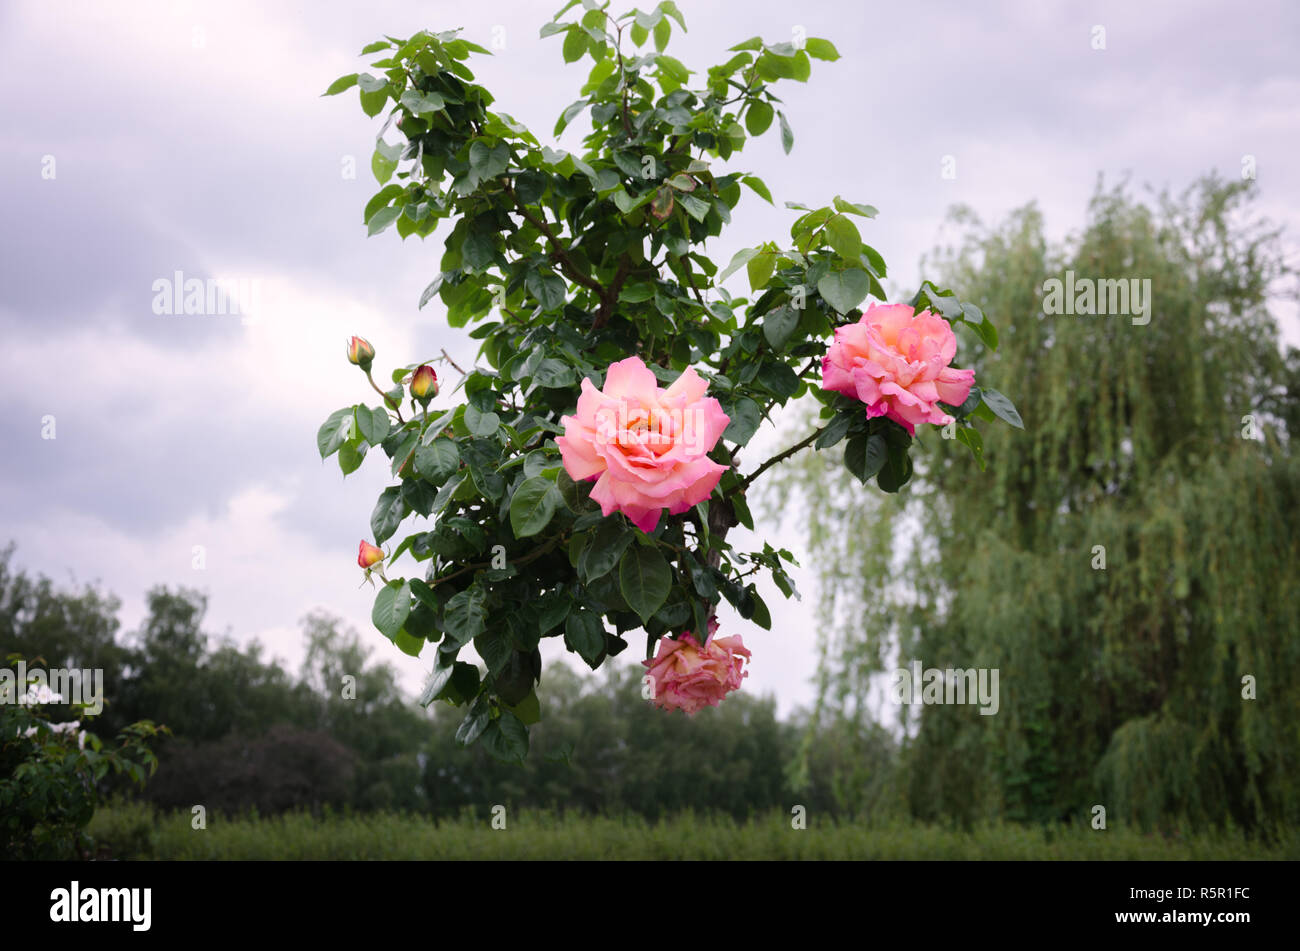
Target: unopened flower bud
<point x="424" y="385"/>
<point x="360" y="352"/>
<point x="369" y="555"/>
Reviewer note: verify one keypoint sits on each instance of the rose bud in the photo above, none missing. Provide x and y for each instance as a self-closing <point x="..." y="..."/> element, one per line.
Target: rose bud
<point x="369" y="555"/>
<point x="424" y="385"/>
<point x="360" y="353"/>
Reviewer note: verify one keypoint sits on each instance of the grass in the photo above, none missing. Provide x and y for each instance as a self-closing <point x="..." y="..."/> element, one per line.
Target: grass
<point x="127" y="830"/>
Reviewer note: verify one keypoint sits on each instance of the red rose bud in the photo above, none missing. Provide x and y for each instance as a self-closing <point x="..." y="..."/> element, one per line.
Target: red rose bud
<point x="368" y="556"/>
<point x="424" y="385"/>
<point x="360" y="352"/>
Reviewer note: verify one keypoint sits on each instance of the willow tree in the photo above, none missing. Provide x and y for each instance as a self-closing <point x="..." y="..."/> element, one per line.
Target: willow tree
<point x="1130" y="564"/>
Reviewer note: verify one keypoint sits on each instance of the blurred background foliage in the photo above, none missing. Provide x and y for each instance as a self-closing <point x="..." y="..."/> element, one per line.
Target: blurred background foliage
<point x="1120" y="686"/>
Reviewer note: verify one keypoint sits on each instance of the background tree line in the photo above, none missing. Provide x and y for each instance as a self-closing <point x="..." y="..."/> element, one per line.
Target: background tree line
<point x="247" y="733"/>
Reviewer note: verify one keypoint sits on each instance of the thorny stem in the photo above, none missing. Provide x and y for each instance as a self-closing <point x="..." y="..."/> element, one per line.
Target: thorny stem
<point x="779" y="457"/>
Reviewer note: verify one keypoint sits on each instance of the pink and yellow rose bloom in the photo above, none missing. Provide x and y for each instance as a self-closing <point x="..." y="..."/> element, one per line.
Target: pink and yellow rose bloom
<point x="424" y="383"/>
<point x="360" y="352"/>
<point x="685" y="676"/>
<point x="897" y="363"/>
<point x="646" y="447"/>
<point x="369" y="555"/>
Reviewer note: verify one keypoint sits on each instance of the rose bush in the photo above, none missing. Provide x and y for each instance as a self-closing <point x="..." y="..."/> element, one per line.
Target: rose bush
<point x="580" y="481"/>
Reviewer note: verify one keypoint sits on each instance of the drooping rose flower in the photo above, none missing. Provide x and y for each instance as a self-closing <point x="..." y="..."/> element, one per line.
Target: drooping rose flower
<point x="360" y="352"/>
<point x="686" y="676"/>
<point x="647" y="447"/>
<point x="896" y="362"/>
<point x="369" y="555"/>
<point x="424" y="384"/>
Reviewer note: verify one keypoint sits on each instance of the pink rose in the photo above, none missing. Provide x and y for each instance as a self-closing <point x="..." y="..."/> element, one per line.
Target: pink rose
<point x="686" y="676"/>
<point x="646" y="447"/>
<point x="897" y="363"/>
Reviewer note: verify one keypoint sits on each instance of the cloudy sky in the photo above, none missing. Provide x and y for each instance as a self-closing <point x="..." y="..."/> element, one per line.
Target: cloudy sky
<point x="141" y="139"/>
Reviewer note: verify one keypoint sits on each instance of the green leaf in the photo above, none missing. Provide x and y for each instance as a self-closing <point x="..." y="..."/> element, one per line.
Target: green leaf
<point x="423" y="593"/>
<point x="372" y="103"/>
<point x="533" y="505"/>
<point x="844" y="290"/>
<point x="844" y="237"/>
<point x="836" y="429"/>
<point x="575" y="44"/>
<point x="487" y="162"/>
<point x="787" y="136"/>
<point x="548" y="289"/>
<point x="741" y="258"/>
<point x="896" y="472"/>
<point x="439" y="678"/>
<point x="645" y="580"/>
<point x="849" y="208"/>
<point x="350" y="458"/>
<point x="382" y="219"/>
<point x="865" y="455"/>
<point x="465" y="614"/>
<point x="529" y="709"/>
<point x="340" y="84"/>
<point x="1003" y="408"/>
<point x="409" y="643"/>
<point x="971" y="438"/>
<point x="392" y="605"/>
<point x="605" y="549"/>
<point x="475" y="722"/>
<point x="437" y="461"/>
<point x="334" y="431"/>
<point x="422" y="103"/>
<point x="387" y="514"/>
<point x="663" y="29"/>
<point x="821" y="49"/>
<point x="759" y="186"/>
<point x="480" y="423"/>
<point x="373" y="423"/>
<point x="760" y="268"/>
<point x="585" y="635"/>
<point x="758" y="117"/>
<point x="778" y="324"/>
<point x="778" y="379"/>
<point x="745" y="419"/>
<point x="429" y="291"/>
<point x="697" y="208"/>
<point x="507" y="739"/>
